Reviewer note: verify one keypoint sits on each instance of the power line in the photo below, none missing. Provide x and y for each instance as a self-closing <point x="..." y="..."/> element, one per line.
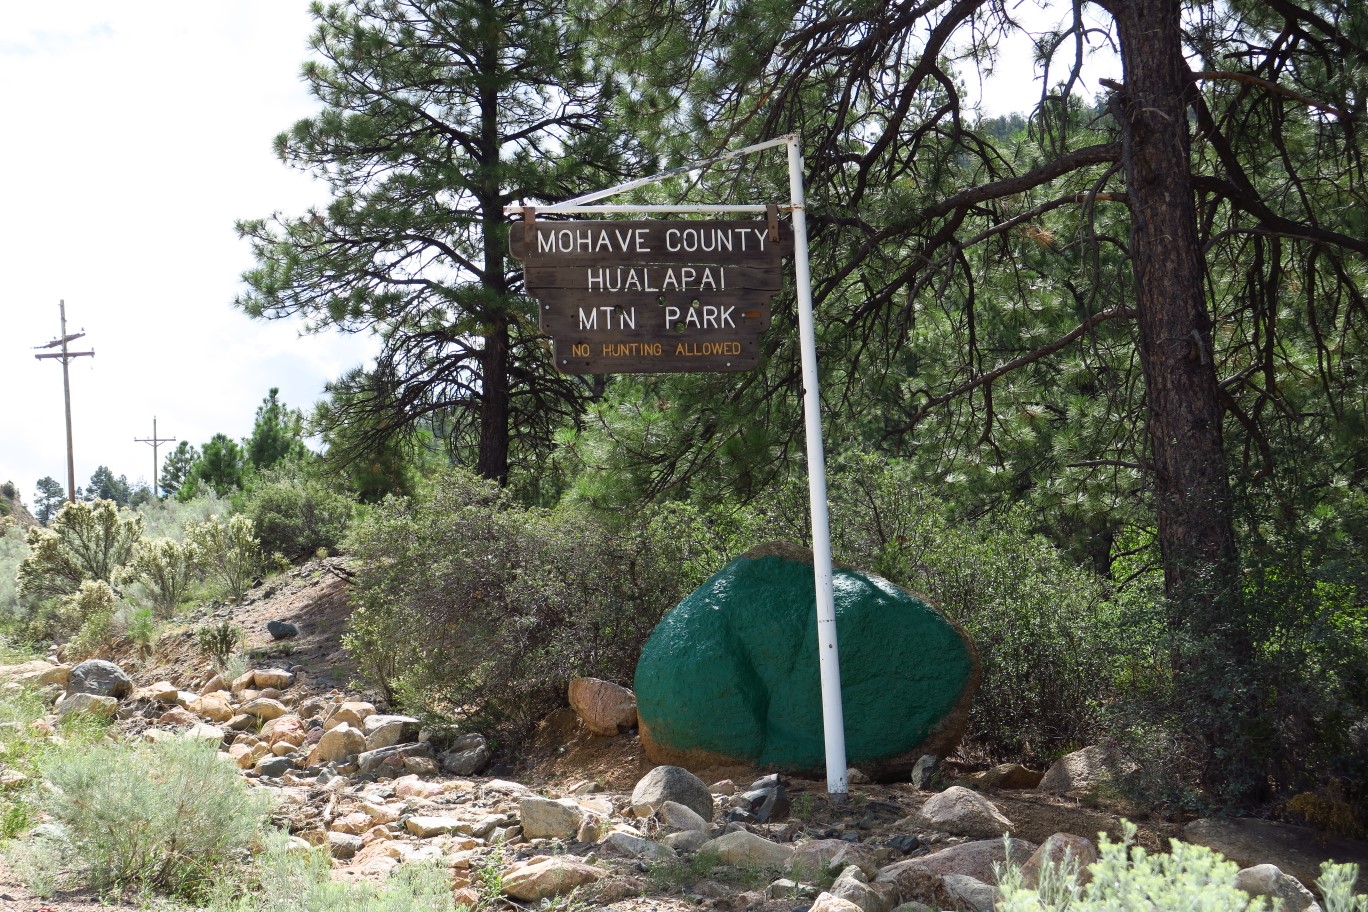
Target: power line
<point x="156" y="465"/>
<point x="66" y="355"/>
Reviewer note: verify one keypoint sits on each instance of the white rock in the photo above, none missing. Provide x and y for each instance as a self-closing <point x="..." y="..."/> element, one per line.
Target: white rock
<point x="975" y="894"/>
<point x="963" y="812"/>
<point x="1269" y="880"/>
<point x="745" y="848"/>
<point x="546" y="817"/>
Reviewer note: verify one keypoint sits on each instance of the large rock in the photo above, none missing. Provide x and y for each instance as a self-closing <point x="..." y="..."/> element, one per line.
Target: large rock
<point x="1296" y="850"/>
<point x="96" y="705"/>
<point x="264" y="708"/>
<point x="1083" y="772"/>
<point x="749" y="850"/>
<point x="547" y="877"/>
<point x="963" y="812"/>
<point x="1079" y="852"/>
<point x="1267" y="880"/>
<point x="36" y="673"/>
<point x="339" y="745"/>
<point x="467" y="756"/>
<point x="101" y="678"/>
<point x="385" y="731"/>
<point x="853" y="886"/>
<point x="550" y="818"/>
<point x="603" y="706"/>
<point x="671" y="783"/>
<point x="730" y="674"/>
<point x="918" y="878"/>
<point x="389" y="761"/>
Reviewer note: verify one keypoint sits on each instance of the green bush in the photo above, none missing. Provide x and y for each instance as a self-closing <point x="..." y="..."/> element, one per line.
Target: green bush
<point x="467" y="601"/>
<point x="91" y="610"/>
<point x="168" y="518"/>
<point x="1188" y="878"/>
<point x="219" y="643"/>
<point x="1056" y="647"/>
<point x="165" y="816"/>
<point x="87" y="541"/>
<point x="229" y="551"/>
<point x="295" y="881"/>
<point x="296" y="516"/>
<point x="13" y="551"/>
<point x="166" y="569"/>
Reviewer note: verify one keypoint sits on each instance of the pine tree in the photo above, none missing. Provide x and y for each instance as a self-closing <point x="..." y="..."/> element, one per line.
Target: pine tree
<point x="436" y="115"/>
<point x="48" y="498"/>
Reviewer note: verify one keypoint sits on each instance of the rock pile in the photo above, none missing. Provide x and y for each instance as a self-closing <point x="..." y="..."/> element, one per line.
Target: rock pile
<point x="375" y="791"/>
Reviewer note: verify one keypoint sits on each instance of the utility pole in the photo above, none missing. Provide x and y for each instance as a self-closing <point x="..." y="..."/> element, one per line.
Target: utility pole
<point x="156" y="466"/>
<point x="66" y="356"/>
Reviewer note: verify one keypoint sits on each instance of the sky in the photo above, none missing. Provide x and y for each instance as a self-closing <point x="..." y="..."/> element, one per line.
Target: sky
<point x="135" y="134"/>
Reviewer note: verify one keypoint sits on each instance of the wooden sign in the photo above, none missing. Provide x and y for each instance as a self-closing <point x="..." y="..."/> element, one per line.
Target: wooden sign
<point x="652" y="296"/>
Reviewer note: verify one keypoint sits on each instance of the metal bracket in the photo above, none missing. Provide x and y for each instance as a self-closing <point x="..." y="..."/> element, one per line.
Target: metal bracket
<point x="772" y="214"/>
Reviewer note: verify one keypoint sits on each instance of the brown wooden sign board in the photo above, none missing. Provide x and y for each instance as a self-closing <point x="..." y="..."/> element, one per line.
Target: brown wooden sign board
<point x="652" y="296"/>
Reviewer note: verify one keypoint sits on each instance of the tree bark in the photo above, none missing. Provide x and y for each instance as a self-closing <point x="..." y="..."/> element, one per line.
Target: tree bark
<point x="1192" y="493"/>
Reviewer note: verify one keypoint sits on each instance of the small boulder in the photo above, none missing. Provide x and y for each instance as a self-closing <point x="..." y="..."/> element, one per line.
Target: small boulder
<point x="216" y="707"/>
<point x="467" y="756"/>
<point x="97" y="705"/>
<point x="628" y="845"/>
<point x="427" y="826"/>
<point x="829" y="902"/>
<point x="163" y="692"/>
<point x="1081" y="773"/>
<point x="277" y="678"/>
<point x="1079" y="850"/>
<point x="281" y="630"/>
<point x="671" y="783"/>
<point x="1010" y="776"/>
<point x="546" y="817"/>
<point x="339" y="745"/>
<point x="273" y="766"/>
<point x="544" y="878"/>
<point x="971" y="892"/>
<point x="963" y="812"/>
<point x="343" y="845"/>
<point x="203" y="731"/>
<point x="853" y="885"/>
<point x="264" y="708"/>
<point x="101" y="678"/>
<point x="386" y="731"/>
<point x="674" y="816"/>
<point x="745" y="848"/>
<point x="353" y="712"/>
<point x="922" y="771"/>
<point x="390" y="760"/>
<point x="605" y="707"/>
<point x="1269" y="880"/>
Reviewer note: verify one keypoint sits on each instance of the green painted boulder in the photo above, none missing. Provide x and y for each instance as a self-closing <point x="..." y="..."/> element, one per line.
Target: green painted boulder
<point x="731" y="673"/>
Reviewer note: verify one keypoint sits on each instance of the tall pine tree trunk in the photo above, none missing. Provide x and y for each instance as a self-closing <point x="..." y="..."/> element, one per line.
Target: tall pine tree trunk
<point x="1191" y="485"/>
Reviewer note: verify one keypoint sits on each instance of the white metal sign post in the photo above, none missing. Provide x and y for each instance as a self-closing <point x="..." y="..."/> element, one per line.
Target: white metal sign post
<point x="833" y="719"/>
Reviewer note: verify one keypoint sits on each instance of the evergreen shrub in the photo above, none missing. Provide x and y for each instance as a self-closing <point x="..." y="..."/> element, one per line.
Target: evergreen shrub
<point x="468" y="604"/>
<point x="165" y="816"/>
<point x="165" y="568"/>
<point x="296" y="515"/>
<point x="1056" y="644"/>
<point x="229" y="551"/>
<point x="87" y="541"/>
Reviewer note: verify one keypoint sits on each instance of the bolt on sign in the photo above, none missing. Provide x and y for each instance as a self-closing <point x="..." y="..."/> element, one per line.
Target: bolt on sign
<point x="652" y="296"/>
